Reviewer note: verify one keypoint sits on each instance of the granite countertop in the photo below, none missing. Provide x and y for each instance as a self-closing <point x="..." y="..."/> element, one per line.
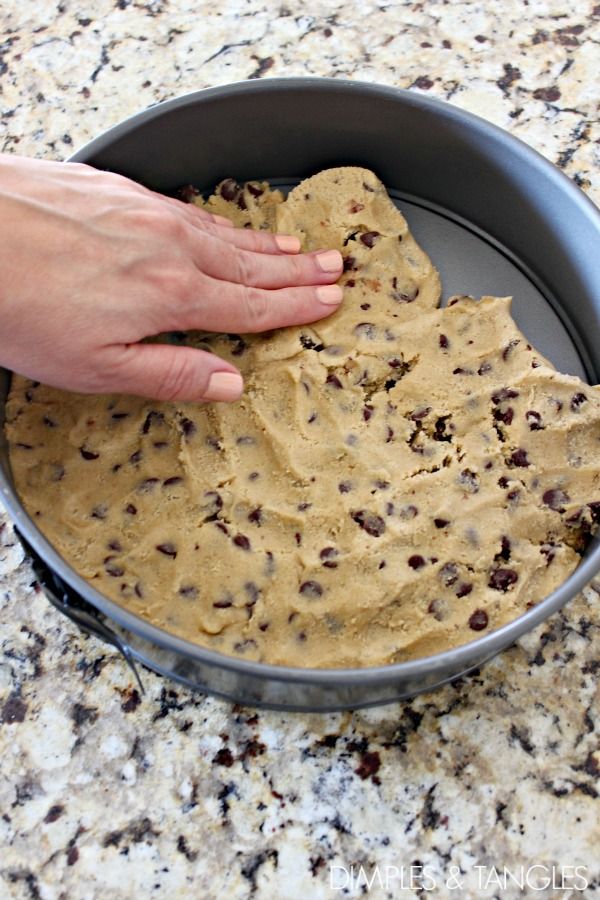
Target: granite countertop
<point x="108" y="794"/>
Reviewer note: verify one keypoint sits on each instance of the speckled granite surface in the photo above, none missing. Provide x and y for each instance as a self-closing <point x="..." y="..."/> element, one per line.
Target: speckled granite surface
<point x="105" y="794"/>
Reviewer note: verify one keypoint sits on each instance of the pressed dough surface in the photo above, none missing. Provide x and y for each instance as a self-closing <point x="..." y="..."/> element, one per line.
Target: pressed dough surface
<point x="396" y="480"/>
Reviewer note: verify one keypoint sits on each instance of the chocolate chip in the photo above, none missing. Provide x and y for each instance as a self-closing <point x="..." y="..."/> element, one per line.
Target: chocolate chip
<point x="50" y="423"/>
<point x="440" y="433"/>
<point x="372" y="524"/>
<point x="240" y="345"/>
<point x="174" y="479"/>
<point x="504" y="552"/>
<point x="349" y="264"/>
<point x="510" y="347"/>
<point x="112" y="568"/>
<point x="594" y="508"/>
<point x="270" y="564"/>
<point x="241" y="541"/>
<point x="344" y="487"/>
<point x="86" y="454"/>
<point x="222" y="604"/>
<point x="298" y="538"/>
<point x="464" y="588"/>
<point x="502" y="579"/>
<point x="168" y="549"/>
<point x="229" y="189"/>
<point x="484" y="368"/>
<point x="519" y="458"/>
<point x="504" y="394"/>
<point x="211" y="505"/>
<point x="311" y="589"/>
<point x="367" y="411"/>
<point x="534" y="420"/>
<point x="254" y="189"/>
<point x="188" y="427"/>
<point x="555" y="499"/>
<point x="416" y="561"/>
<point x="115" y="545"/>
<point x="549" y="551"/>
<point x="449" y="574"/>
<point x="135" y="458"/>
<point x="436" y="609"/>
<point x="99" y="512"/>
<point x="327" y="555"/>
<point x="309" y="344"/>
<point x="333" y="380"/>
<point x="420" y="413"/>
<point x="406" y="294"/>
<point x="577" y="400"/>
<point x="441" y="523"/>
<point x="153" y="416"/>
<point x="478" y="620"/>
<point x="189" y="591"/>
<point x="369" y="238"/>
<point x="255" y="516"/>
<point x="506" y="416"/>
<point x="443" y="342"/>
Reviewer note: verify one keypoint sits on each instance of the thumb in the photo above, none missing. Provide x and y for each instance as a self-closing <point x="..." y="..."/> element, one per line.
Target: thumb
<point x="166" y="372"/>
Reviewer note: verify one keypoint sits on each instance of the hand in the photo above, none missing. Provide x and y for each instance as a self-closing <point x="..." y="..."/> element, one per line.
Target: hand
<point x="92" y="262"/>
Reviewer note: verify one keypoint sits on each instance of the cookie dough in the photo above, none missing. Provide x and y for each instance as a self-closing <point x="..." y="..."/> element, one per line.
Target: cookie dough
<point x="396" y="480"/>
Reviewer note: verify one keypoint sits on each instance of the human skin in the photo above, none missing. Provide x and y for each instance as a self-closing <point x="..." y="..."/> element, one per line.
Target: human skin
<point x="92" y="263"/>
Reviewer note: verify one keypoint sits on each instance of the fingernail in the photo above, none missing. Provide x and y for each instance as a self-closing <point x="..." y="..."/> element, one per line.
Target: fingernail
<point x="330" y="294"/>
<point x="329" y="260"/>
<point x="288" y="243"/>
<point x="221" y="220"/>
<point x="224" y="386"/>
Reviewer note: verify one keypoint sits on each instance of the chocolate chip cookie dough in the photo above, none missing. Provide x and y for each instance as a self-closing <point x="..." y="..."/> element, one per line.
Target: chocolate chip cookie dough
<point x="396" y="480"/>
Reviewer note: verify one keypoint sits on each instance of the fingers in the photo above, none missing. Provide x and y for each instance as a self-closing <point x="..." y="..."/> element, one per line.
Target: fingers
<point x="165" y="372"/>
<point x="214" y="305"/>
<point x="267" y="270"/>
<point x="244" y="238"/>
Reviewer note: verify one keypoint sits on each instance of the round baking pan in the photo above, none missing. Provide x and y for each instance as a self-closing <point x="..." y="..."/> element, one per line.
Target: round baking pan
<point x="494" y="216"/>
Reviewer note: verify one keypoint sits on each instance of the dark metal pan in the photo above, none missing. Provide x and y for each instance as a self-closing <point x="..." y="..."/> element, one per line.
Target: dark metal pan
<point x="495" y="217"/>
